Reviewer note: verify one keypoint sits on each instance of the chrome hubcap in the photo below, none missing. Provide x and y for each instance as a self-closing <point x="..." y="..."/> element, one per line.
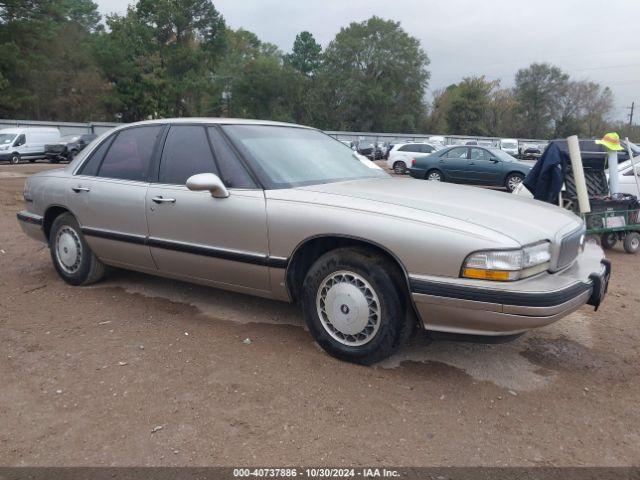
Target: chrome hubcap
<point x="635" y="243"/>
<point x="434" y="177"/>
<point x="68" y="249"/>
<point x="514" y="182"/>
<point x="348" y="308"/>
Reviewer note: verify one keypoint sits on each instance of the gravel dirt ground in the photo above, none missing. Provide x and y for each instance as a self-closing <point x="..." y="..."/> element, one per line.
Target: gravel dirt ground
<point x="141" y="371"/>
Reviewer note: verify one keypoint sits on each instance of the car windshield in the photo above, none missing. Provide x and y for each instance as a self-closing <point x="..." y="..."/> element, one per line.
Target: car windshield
<point x="285" y="157"/>
<point x="509" y="145"/>
<point x="6" y="138"/>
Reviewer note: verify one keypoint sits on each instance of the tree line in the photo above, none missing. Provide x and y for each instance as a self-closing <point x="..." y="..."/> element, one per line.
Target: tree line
<point x="164" y="58"/>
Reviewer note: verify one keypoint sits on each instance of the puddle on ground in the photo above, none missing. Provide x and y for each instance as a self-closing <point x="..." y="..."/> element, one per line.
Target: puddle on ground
<point x="509" y="365"/>
<point x="500" y="364"/>
<point x="219" y="304"/>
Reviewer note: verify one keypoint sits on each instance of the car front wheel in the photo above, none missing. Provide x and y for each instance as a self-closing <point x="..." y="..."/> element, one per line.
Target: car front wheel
<point x="513" y="180"/>
<point x="73" y="259"/>
<point x="399" y="168"/>
<point x="15" y="158"/>
<point x="354" y="307"/>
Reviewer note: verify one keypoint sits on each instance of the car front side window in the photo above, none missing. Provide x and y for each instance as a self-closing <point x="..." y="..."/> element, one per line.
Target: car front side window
<point x="186" y="152"/>
<point x="129" y="156"/>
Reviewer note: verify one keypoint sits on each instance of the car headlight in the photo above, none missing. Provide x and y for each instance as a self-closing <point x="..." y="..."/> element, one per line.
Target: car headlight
<point x="508" y="265"/>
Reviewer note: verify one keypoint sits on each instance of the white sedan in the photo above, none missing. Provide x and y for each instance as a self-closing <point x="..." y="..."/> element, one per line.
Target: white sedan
<point x="626" y="180"/>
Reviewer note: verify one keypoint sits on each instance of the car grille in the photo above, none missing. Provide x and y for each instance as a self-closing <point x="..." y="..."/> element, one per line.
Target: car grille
<point x="569" y="248"/>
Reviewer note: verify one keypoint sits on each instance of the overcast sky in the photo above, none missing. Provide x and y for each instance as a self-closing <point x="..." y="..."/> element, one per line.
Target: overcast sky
<point x="588" y="39"/>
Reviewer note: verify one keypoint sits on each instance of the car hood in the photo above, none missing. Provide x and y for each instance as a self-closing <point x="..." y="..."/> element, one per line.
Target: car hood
<point x="522" y="219"/>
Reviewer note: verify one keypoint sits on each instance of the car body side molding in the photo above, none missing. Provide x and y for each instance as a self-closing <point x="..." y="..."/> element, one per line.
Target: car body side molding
<point x="221" y="253"/>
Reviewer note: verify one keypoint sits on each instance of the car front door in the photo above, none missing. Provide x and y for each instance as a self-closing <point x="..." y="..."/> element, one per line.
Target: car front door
<point x="108" y="193"/>
<point x="453" y="163"/>
<point x="193" y="235"/>
<point x="484" y="168"/>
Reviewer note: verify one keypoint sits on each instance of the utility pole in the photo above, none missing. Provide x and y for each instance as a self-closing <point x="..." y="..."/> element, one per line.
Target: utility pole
<point x="633" y="104"/>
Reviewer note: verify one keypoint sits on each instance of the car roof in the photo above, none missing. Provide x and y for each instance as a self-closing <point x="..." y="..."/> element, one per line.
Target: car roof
<point x="210" y="120"/>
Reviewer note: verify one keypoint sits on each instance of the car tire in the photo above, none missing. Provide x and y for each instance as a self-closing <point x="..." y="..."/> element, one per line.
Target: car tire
<point x="71" y="155"/>
<point x="632" y="242"/>
<point x="54" y="160"/>
<point x="72" y="258"/>
<point x="356" y="278"/>
<point x="512" y="181"/>
<point x="15" y="158"/>
<point x="399" y="168"/>
<point x="434" y="175"/>
<point x="608" y="240"/>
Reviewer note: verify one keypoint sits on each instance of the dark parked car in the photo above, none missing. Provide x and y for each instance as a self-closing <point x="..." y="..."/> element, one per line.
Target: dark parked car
<point x="472" y="165"/>
<point x="368" y="149"/>
<point x="68" y="147"/>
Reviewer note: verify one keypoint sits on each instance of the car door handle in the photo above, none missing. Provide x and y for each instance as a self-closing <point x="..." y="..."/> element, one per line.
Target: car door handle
<point x="80" y="189"/>
<point x="161" y="199"/>
<point x="471" y="163"/>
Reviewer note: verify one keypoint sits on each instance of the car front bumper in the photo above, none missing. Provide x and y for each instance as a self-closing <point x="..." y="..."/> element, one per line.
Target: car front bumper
<point x="475" y="307"/>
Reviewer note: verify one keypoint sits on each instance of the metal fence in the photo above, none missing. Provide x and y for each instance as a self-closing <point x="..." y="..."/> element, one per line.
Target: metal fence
<point x="68" y="128"/>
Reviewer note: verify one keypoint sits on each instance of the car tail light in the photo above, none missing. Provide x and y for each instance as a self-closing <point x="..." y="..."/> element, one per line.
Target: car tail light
<point x="413" y="162"/>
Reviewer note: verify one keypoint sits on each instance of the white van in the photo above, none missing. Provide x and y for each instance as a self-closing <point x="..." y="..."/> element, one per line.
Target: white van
<point x="510" y="146"/>
<point x="25" y="143"/>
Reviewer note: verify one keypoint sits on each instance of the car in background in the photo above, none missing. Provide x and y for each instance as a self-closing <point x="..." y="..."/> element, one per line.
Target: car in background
<point x="471" y="165"/>
<point x="68" y="147"/>
<point x="370" y="150"/>
<point x="510" y="146"/>
<point x="626" y="182"/>
<point x="530" y="152"/>
<point x="25" y="143"/>
<point x="401" y="155"/>
<point x="236" y="204"/>
<point x="348" y="143"/>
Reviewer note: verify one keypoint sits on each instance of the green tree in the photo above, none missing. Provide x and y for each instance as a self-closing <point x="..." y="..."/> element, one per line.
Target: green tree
<point x="468" y="112"/>
<point x="374" y="79"/>
<point x="538" y="90"/>
<point x="306" y="56"/>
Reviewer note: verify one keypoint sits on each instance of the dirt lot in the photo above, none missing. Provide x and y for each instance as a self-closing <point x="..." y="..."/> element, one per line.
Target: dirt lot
<point x="143" y="371"/>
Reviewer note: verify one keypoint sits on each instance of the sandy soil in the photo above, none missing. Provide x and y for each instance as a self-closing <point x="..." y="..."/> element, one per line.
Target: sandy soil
<point x="144" y="371"/>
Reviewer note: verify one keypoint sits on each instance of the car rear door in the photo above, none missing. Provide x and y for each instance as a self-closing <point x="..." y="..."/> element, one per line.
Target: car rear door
<point x="484" y="167"/>
<point x="453" y="163"/>
<point x="108" y="194"/>
<point x="196" y="236"/>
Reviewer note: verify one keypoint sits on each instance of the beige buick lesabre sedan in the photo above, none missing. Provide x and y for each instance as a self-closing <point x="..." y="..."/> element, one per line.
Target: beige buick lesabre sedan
<point x="287" y="212"/>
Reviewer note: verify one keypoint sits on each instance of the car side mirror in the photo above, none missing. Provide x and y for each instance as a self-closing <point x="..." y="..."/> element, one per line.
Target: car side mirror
<point x="494" y="160"/>
<point x="210" y="182"/>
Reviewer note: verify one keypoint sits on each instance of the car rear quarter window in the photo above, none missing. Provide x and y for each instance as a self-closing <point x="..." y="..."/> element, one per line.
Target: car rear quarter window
<point x="186" y="152"/>
<point x="232" y="171"/>
<point x="129" y="155"/>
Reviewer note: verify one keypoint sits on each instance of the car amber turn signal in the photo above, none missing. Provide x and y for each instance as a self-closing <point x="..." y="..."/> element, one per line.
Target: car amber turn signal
<point x="487" y="274"/>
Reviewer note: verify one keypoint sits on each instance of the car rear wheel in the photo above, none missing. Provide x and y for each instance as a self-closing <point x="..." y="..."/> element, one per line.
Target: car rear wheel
<point x="632" y="242"/>
<point x="400" y="168"/>
<point x="434" y="176"/>
<point x="15" y="158"/>
<point x="73" y="259"/>
<point x="513" y="180"/>
<point x="354" y="307"/>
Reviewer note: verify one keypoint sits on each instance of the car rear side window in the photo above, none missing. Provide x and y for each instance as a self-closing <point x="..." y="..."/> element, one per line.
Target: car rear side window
<point x="91" y="166"/>
<point x="130" y="154"/>
<point x="232" y="171"/>
<point x="410" y="148"/>
<point x="186" y="152"/>
<point x="426" y="148"/>
<point x="458" y="152"/>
